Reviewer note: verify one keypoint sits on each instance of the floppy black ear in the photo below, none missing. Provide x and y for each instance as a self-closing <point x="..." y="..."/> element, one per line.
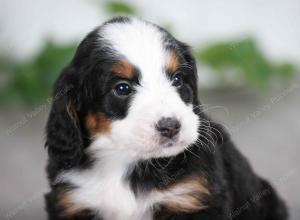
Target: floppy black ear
<point x="190" y="60"/>
<point x="188" y="56"/>
<point x="63" y="134"/>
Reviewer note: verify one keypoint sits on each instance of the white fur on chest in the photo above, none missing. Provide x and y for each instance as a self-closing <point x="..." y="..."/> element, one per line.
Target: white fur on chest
<point x="103" y="189"/>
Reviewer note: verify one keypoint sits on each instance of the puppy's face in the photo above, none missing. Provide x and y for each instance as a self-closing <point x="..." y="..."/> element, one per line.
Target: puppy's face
<point x="140" y="90"/>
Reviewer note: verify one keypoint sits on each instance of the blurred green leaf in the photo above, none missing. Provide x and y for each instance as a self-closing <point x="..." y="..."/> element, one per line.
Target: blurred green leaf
<point x="244" y="57"/>
<point x="31" y="82"/>
<point x="285" y="69"/>
<point x="118" y="7"/>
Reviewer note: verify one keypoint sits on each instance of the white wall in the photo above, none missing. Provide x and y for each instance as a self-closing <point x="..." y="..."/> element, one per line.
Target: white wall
<point x="275" y="23"/>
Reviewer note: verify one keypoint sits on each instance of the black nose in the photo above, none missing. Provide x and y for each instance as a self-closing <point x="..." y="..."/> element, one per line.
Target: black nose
<point x="168" y="127"/>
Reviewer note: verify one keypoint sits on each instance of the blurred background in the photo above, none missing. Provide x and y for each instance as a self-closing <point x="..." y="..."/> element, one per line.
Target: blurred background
<point x="248" y="55"/>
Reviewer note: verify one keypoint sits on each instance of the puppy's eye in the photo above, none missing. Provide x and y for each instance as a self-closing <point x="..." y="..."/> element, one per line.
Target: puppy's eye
<point x="122" y="89"/>
<point x="177" y="80"/>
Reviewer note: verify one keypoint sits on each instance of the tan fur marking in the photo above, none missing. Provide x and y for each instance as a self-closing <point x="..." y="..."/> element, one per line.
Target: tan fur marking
<point x="123" y="69"/>
<point x="70" y="208"/>
<point x="97" y="123"/>
<point x="72" y="112"/>
<point x="186" y="195"/>
<point x="172" y="61"/>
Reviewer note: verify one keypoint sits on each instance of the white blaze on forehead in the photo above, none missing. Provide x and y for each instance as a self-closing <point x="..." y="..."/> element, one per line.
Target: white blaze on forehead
<point x="141" y="43"/>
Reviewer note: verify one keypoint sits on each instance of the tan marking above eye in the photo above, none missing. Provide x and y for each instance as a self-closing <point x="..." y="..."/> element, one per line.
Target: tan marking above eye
<point x="123" y="69"/>
<point x="173" y="62"/>
<point x="97" y="123"/>
<point x="185" y="196"/>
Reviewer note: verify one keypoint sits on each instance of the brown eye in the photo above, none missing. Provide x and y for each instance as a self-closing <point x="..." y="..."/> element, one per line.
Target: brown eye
<point x="177" y="80"/>
<point x="122" y="89"/>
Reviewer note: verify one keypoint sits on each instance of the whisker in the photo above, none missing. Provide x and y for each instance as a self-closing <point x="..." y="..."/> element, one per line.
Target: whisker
<point x="186" y="148"/>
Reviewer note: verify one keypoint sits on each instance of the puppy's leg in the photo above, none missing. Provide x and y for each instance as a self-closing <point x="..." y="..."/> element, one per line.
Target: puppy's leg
<point x="57" y="212"/>
<point x="53" y="209"/>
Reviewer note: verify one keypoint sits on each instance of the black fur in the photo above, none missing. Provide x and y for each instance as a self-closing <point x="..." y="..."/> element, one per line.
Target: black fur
<point x="84" y="87"/>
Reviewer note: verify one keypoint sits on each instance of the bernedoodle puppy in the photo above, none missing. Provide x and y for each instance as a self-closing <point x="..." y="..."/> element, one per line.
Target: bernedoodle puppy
<point x="128" y="140"/>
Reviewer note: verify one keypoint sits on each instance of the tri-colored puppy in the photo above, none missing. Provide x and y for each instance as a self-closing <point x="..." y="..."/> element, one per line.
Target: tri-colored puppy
<point x="128" y="140"/>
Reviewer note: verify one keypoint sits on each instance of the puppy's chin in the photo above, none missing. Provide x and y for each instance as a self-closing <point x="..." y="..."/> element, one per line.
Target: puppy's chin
<point x="135" y="148"/>
<point x="164" y="148"/>
<point x="167" y="150"/>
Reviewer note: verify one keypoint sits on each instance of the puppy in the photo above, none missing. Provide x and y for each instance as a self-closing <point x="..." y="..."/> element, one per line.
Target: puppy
<point x="127" y="138"/>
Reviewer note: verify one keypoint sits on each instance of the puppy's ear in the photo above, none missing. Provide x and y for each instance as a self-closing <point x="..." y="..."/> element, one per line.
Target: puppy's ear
<point x="191" y="62"/>
<point x="63" y="133"/>
<point x="189" y="58"/>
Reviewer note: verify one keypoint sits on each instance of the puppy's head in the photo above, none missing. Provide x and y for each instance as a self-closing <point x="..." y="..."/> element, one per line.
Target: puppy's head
<point x="133" y="91"/>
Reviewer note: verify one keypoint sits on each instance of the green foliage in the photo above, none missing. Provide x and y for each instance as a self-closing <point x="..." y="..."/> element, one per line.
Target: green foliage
<point x="285" y="69"/>
<point x="244" y="57"/>
<point x="32" y="81"/>
<point x="119" y="8"/>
